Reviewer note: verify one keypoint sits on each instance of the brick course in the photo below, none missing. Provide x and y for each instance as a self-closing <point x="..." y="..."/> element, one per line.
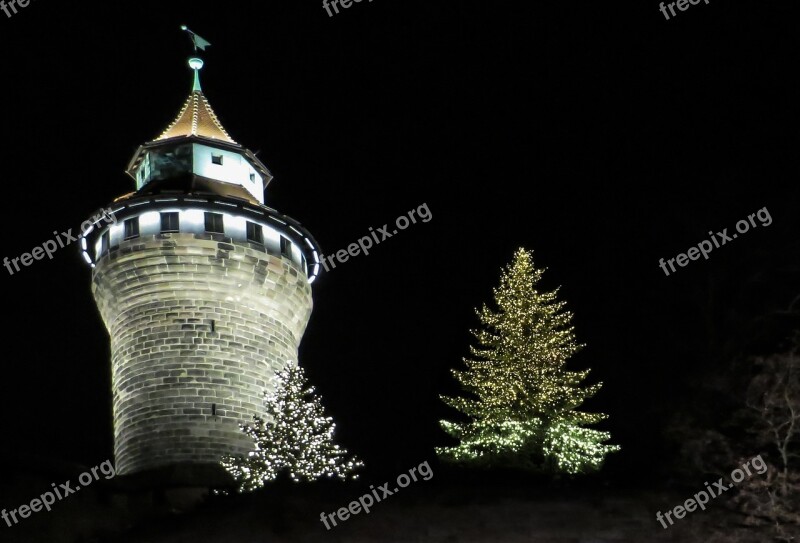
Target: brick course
<point x="158" y="296"/>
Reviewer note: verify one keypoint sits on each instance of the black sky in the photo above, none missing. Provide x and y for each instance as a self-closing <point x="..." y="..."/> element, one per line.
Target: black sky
<point x="598" y="134"/>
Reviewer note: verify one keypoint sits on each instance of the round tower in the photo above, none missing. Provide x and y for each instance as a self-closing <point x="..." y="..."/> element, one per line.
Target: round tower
<point x="205" y="292"/>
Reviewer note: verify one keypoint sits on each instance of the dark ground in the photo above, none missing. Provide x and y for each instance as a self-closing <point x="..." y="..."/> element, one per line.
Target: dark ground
<point x="451" y="507"/>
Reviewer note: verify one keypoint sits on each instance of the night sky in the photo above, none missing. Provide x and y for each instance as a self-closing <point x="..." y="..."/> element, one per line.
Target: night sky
<point x="597" y="134"/>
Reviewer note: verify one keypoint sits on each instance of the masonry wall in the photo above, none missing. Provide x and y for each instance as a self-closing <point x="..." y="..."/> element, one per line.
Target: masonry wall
<point x="194" y="322"/>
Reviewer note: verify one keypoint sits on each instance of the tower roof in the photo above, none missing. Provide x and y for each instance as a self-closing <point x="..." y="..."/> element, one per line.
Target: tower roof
<point x="196" y="118"/>
<point x="196" y="154"/>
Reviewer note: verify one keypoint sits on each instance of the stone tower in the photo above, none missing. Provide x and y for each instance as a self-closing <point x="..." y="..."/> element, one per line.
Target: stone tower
<point x="205" y="292"/>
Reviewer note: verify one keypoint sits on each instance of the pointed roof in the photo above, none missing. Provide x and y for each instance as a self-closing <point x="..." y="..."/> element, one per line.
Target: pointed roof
<point x="196" y="118"/>
<point x="197" y="123"/>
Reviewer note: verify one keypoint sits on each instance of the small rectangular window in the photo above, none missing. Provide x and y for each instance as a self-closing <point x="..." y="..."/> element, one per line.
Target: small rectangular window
<point x="216" y="159"/>
<point x="286" y="247"/>
<point x="105" y="242"/>
<point x="214" y="223"/>
<point x="255" y="232"/>
<point x="132" y="228"/>
<point x="252" y="177"/>
<point x="170" y="222"/>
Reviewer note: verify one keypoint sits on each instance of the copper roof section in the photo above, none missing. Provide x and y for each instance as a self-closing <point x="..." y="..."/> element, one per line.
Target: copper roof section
<point x="196" y="119"/>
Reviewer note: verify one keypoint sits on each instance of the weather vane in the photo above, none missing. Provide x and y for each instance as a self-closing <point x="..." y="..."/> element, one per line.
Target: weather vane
<point x="197" y="41"/>
<point x="195" y="62"/>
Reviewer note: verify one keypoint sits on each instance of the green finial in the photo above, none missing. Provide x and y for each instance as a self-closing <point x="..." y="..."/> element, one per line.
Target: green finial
<point x="195" y="63"/>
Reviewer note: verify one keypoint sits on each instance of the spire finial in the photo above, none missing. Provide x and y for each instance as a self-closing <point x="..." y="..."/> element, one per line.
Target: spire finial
<point x="195" y="62"/>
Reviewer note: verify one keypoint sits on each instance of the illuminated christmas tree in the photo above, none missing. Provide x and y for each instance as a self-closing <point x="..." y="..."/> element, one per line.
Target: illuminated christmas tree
<point x="295" y="437"/>
<point x="522" y="401"/>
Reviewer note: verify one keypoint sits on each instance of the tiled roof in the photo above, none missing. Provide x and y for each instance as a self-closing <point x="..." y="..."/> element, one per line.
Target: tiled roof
<point x="196" y="119"/>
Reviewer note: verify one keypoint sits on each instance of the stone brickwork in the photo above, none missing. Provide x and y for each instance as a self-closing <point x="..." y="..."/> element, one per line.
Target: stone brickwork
<point x="195" y="321"/>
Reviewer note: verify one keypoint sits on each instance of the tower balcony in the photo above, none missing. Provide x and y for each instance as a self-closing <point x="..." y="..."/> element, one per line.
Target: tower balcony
<point x="223" y="219"/>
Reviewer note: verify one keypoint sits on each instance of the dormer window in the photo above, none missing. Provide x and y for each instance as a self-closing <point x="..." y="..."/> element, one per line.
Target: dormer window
<point x="286" y="247"/>
<point x="216" y="159"/>
<point x="105" y="243"/>
<point x="214" y="223"/>
<point x="170" y="222"/>
<point x="132" y="228"/>
<point x="255" y="233"/>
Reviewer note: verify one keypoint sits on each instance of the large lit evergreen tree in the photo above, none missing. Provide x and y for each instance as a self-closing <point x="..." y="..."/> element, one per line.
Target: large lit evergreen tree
<point x="295" y="437"/>
<point x="522" y="401"/>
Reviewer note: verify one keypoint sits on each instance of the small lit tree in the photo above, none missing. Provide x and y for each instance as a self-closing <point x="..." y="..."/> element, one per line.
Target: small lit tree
<point x="522" y="401"/>
<point x="295" y="436"/>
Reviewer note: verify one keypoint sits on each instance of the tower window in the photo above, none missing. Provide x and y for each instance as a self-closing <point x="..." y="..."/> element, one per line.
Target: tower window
<point x="170" y="222"/>
<point x="132" y="228"/>
<point x="252" y="177"/>
<point x="286" y="247"/>
<point x="255" y="233"/>
<point x="105" y="242"/>
<point x="214" y="223"/>
<point x="216" y="159"/>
